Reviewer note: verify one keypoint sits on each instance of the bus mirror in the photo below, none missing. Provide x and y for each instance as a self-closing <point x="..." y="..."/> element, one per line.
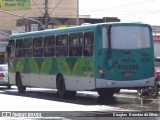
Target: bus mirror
<point x="8" y="49"/>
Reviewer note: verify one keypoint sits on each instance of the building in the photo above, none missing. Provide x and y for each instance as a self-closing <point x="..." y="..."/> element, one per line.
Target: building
<point x="36" y="9"/>
<point x="56" y="22"/>
<point x="156" y="40"/>
<point x="59" y="13"/>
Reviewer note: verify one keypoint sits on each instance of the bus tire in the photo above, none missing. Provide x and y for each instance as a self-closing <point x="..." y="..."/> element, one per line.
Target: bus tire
<point x="21" y="88"/>
<point x="153" y="91"/>
<point x="9" y="86"/>
<point x="61" y="89"/>
<point x="140" y="92"/>
<point x="106" y="92"/>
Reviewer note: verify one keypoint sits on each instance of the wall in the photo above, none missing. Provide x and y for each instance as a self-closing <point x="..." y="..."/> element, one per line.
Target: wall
<point x="66" y="8"/>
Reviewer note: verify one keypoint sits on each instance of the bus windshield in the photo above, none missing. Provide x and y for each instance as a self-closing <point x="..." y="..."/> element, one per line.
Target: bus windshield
<point x="128" y="37"/>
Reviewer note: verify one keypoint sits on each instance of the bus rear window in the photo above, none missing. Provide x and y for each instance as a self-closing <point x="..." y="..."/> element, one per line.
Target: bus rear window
<point x="128" y="37"/>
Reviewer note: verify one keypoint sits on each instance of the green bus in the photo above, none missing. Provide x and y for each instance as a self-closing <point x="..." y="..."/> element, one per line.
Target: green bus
<point x="104" y="57"/>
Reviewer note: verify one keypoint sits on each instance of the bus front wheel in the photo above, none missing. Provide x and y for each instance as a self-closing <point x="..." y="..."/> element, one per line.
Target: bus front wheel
<point x="21" y="88"/>
<point x="61" y="89"/>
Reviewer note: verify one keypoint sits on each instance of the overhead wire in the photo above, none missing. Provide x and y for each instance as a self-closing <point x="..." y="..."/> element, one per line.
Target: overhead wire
<point x="56" y="6"/>
<point x="38" y="7"/>
<point x="22" y="15"/>
<point x="42" y="11"/>
<point x="131" y="4"/>
<point x="149" y="12"/>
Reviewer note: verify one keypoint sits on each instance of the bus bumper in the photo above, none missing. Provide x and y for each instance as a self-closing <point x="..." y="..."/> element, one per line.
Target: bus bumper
<point x="103" y="83"/>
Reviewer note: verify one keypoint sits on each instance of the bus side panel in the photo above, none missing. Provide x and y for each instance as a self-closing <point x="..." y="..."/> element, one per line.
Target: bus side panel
<point x="103" y="83"/>
<point x="78" y="72"/>
<point x="76" y="83"/>
<point x="42" y="72"/>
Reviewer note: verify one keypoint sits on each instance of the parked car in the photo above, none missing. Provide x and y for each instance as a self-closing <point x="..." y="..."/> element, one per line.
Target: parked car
<point x="4" y="76"/>
<point x="157" y="61"/>
<point x="157" y="71"/>
<point x="157" y="66"/>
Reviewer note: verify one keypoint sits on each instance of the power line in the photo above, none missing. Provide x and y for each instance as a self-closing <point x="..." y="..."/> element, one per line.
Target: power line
<point x="23" y="17"/>
<point x="16" y="19"/>
<point x="131" y="4"/>
<point x="38" y="7"/>
<point x="55" y="7"/>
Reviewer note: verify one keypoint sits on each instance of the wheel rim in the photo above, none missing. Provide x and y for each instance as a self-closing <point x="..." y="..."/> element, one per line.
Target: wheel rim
<point x="141" y="92"/>
<point x="153" y="91"/>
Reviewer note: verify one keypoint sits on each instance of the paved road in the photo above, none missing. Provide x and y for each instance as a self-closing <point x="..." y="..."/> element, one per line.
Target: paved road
<point x="87" y="104"/>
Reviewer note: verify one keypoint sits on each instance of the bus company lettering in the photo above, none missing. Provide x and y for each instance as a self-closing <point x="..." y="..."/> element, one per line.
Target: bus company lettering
<point x="128" y="67"/>
<point x="145" y="60"/>
<point x="128" y="60"/>
<point x="127" y="64"/>
<point x="87" y="62"/>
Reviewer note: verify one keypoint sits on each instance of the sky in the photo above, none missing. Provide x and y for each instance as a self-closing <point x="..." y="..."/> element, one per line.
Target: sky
<point x="145" y="11"/>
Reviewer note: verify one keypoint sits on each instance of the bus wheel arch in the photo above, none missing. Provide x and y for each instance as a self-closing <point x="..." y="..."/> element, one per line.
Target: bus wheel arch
<point x="20" y="87"/>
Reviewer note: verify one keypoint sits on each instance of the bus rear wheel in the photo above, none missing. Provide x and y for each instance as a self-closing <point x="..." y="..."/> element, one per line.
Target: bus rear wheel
<point x="21" y="88"/>
<point x="9" y="86"/>
<point x="106" y="92"/>
<point x="62" y="92"/>
<point x="142" y="92"/>
<point x="153" y="91"/>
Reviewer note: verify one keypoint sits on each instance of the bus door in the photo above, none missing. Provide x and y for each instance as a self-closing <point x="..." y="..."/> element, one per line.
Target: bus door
<point x="11" y="57"/>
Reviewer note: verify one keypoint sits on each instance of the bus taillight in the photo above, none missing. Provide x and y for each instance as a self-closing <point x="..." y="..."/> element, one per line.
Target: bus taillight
<point x="101" y="71"/>
<point x="2" y="75"/>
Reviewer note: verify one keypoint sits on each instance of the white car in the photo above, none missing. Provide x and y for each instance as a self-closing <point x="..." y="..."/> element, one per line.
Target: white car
<point x="4" y="76"/>
<point x="157" y="66"/>
<point x="157" y="61"/>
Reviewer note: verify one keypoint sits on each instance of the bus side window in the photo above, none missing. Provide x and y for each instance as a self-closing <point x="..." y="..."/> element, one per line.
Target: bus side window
<point x="75" y="44"/>
<point x="28" y="46"/>
<point x="88" y="51"/>
<point x="49" y="46"/>
<point x="19" y="48"/>
<point x="49" y="52"/>
<point x="88" y="44"/>
<point x="38" y="47"/>
<point x="62" y="45"/>
<point x="19" y="53"/>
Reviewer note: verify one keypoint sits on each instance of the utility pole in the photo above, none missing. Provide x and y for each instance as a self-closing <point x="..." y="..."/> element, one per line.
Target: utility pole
<point x="77" y="12"/>
<point x="46" y="15"/>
